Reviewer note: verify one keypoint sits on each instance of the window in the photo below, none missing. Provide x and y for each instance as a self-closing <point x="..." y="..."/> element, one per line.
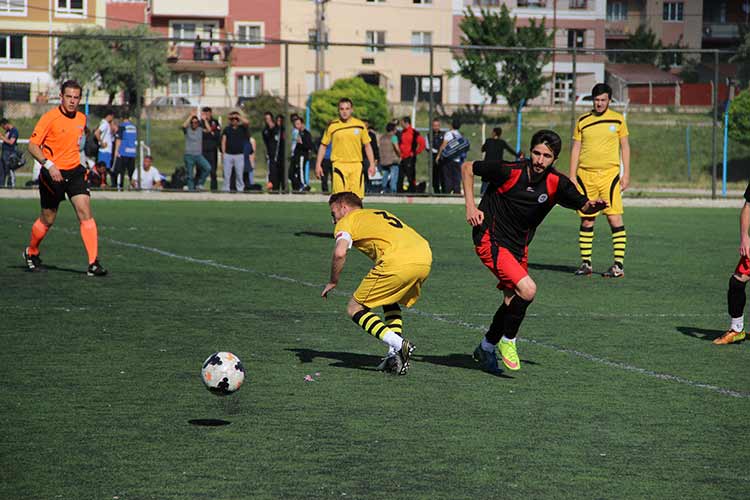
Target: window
<point x="248" y="85"/>
<point x="576" y="38"/>
<point x="422" y="1"/>
<point x="375" y="38"/>
<point x="486" y="3"/>
<point x="249" y="32"/>
<point x="71" y="7"/>
<point x="419" y="85"/>
<point x="12" y="50"/>
<point x="563" y="91"/>
<point x="185" y="84"/>
<point x="532" y="3"/>
<point x="617" y="11"/>
<point x="672" y="11"/>
<point x="375" y="1"/>
<point x="421" y="38"/>
<point x="577" y="4"/>
<point x="12" y="7"/>
<point x="190" y="29"/>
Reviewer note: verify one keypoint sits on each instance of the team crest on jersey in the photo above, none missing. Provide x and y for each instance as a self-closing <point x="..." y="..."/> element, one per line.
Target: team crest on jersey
<point x="542" y="198"/>
<point x="356" y="131"/>
<point x="612" y="128"/>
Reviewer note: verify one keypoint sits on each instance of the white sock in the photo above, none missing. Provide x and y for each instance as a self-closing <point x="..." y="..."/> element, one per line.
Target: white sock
<point x="393" y="340"/>
<point x="738" y="324"/>
<point x="506" y="339"/>
<point x="486" y="345"/>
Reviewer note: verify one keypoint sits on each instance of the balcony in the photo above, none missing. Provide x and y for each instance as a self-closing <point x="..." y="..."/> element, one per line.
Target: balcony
<point x="198" y="58"/>
<point x="723" y="31"/>
<point x="190" y="8"/>
<point x="540" y="4"/>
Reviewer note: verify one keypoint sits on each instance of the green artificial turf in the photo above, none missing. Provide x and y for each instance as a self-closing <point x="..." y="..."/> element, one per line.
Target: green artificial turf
<point x="621" y="393"/>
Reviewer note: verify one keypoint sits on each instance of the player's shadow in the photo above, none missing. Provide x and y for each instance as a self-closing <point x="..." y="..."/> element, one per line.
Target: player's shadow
<point x="328" y="235"/>
<point x="553" y="267"/>
<point x="208" y="422"/>
<point x="340" y="359"/>
<point x="455" y="361"/>
<point x="49" y="268"/>
<point x="700" y="333"/>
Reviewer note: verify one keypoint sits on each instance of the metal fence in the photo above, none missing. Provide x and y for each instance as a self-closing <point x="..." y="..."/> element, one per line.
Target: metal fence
<point x="421" y="81"/>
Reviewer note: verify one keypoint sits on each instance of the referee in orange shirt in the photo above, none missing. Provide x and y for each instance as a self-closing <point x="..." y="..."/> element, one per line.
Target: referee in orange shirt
<point x="55" y="144"/>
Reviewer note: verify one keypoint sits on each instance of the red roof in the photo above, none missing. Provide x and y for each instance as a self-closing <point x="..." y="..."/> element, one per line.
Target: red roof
<point x="640" y="73"/>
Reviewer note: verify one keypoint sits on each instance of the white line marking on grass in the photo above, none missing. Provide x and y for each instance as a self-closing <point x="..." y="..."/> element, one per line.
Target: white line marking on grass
<point x="437" y="317"/>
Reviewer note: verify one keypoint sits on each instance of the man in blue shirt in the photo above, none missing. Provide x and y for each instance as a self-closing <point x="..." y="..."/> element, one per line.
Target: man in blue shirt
<point x="125" y="152"/>
<point x="9" y="136"/>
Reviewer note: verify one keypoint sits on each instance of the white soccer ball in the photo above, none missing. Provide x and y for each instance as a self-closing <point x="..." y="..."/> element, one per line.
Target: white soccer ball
<point x="223" y="373"/>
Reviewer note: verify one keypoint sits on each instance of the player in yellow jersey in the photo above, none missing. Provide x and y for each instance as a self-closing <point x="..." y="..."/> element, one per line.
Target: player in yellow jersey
<point x="600" y="137"/>
<point x="402" y="263"/>
<point x="346" y="135"/>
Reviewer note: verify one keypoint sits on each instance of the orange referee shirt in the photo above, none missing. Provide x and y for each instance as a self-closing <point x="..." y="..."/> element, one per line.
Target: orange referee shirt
<point x="58" y="135"/>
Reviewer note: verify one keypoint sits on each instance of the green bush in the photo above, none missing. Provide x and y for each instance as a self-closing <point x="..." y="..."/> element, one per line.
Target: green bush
<point x="739" y="117"/>
<point x="369" y="103"/>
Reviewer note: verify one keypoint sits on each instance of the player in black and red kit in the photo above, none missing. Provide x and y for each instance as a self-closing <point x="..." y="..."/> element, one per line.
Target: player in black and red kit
<point x="518" y="198"/>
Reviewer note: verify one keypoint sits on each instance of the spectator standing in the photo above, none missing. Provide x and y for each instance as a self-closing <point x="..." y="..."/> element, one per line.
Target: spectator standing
<point x="412" y="143"/>
<point x="452" y="166"/>
<point x="375" y="153"/>
<point x="390" y="155"/>
<point x="280" y="152"/>
<point x="105" y="138"/>
<point x="126" y="147"/>
<point x="326" y="167"/>
<point x="494" y="148"/>
<point x="193" y="131"/>
<point x="211" y="139"/>
<point x="149" y="175"/>
<point x="248" y="155"/>
<point x="270" y="141"/>
<point x="301" y="151"/>
<point x="436" y="139"/>
<point x="9" y="137"/>
<point x="233" y="140"/>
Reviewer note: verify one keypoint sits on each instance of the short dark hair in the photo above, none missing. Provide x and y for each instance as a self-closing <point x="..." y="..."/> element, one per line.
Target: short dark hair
<point x="108" y="111"/>
<point x="550" y="139"/>
<point x="346" y="99"/>
<point x="498" y="131"/>
<point x="207" y="109"/>
<point x="390" y="127"/>
<point x="70" y="84"/>
<point x="4" y="121"/>
<point x="601" y="88"/>
<point x="268" y="113"/>
<point x="406" y="119"/>
<point x="456" y="123"/>
<point x="149" y="157"/>
<point x="347" y="198"/>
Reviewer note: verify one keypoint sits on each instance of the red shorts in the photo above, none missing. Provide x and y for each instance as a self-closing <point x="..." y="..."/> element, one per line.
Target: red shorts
<point x="743" y="267"/>
<point x="502" y="263"/>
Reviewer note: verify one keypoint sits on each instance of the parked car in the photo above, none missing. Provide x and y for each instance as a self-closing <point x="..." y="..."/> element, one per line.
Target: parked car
<point x="173" y="101"/>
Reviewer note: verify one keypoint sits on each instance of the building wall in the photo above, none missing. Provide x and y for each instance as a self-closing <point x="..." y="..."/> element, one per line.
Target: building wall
<point x="126" y="14"/>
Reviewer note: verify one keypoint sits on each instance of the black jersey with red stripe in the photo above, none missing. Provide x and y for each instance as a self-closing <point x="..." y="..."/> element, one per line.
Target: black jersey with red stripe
<point x="513" y="206"/>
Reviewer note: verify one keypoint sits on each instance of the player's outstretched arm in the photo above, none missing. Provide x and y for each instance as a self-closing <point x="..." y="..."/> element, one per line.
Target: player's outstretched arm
<point x="337" y="265"/>
<point x="593" y="206"/>
<point x="474" y="216"/>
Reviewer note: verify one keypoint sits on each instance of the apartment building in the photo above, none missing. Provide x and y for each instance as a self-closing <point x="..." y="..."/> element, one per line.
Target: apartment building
<point x="673" y="22"/>
<point x="27" y="53"/>
<point x="576" y="23"/>
<point x="724" y="22"/>
<point x="402" y="72"/>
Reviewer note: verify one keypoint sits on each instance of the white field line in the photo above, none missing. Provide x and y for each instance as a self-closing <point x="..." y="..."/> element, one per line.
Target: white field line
<point x="580" y="354"/>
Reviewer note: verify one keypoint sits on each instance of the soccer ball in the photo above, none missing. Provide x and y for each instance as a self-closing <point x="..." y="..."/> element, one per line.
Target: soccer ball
<point x="223" y="373"/>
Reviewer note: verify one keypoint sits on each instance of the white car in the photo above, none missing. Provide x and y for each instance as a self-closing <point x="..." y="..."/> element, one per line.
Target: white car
<point x="170" y="101"/>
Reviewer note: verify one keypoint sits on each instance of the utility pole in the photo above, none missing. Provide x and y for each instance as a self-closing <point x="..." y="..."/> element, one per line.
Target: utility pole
<point x="320" y="39"/>
<point x="318" y="48"/>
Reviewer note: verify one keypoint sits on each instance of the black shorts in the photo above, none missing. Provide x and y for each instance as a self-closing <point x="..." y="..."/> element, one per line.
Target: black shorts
<point x="125" y="164"/>
<point x="51" y="193"/>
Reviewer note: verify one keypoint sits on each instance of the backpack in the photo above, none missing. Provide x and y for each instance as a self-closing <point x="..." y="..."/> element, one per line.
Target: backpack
<point x="416" y="142"/>
<point x="456" y="147"/>
<point x="17" y="159"/>
<point x="91" y="146"/>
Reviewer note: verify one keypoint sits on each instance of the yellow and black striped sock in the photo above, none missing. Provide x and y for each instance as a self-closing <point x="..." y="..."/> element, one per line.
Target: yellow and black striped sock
<point x="393" y="318"/>
<point x="619" y="241"/>
<point x="371" y="323"/>
<point x="586" y="242"/>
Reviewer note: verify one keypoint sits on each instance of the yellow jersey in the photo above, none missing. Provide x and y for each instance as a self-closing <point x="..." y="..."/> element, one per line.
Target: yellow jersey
<point x="383" y="237"/>
<point x="348" y="138"/>
<point x="600" y="139"/>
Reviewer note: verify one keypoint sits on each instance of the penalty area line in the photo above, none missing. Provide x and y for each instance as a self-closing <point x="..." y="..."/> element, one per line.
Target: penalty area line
<point x="436" y="317"/>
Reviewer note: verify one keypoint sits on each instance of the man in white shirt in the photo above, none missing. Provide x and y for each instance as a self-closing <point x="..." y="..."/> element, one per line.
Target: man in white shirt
<point x="149" y="175"/>
<point x="105" y="138"/>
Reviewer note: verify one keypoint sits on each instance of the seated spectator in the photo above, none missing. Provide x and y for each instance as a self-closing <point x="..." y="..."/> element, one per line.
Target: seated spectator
<point x="172" y="54"/>
<point x="98" y="175"/>
<point x="149" y="175"/>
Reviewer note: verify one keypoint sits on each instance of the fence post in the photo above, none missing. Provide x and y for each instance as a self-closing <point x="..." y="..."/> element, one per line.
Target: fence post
<point x="724" y="161"/>
<point x="287" y="131"/>
<point x="519" y="123"/>
<point x="431" y="167"/>
<point x="687" y="146"/>
<point x="573" y="97"/>
<point x="137" y="109"/>
<point x="715" y="102"/>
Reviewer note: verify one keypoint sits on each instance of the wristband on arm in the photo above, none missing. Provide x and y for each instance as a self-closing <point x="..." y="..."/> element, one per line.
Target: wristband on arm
<point x="48" y="164"/>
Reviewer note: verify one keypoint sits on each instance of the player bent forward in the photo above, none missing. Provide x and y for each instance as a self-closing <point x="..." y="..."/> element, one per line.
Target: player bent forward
<point x="518" y="198"/>
<point x="402" y="263"/>
<point x="736" y="297"/>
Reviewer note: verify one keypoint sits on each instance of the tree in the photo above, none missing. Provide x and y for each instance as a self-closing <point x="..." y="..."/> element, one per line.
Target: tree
<point x="642" y="40"/>
<point x="369" y="103"/>
<point x="107" y="60"/>
<point x="739" y="117"/>
<point x="515" y="75"/>
<point x="256" y="107"/>
<point x="742" y="59"/>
